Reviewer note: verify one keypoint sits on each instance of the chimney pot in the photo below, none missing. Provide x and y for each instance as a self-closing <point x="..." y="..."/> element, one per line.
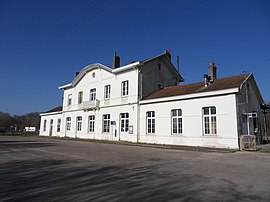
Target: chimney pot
<point x="168" y="53"/>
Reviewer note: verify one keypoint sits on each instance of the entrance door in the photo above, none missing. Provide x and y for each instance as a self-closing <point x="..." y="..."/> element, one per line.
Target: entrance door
<point x="124" y="125"/>
<point x="113" y="131"/>
<point x="51" y="127"/>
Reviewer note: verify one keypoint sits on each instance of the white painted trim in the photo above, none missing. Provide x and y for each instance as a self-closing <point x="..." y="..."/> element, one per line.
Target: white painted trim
<point x="190" y="96"/>
<point x="126" y="67"/>
<point x="50" y="113"/>
<point x="65" y="86"/>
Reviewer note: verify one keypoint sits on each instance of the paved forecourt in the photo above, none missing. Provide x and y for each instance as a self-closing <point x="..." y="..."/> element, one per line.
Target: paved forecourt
<point x="47" y="169"/>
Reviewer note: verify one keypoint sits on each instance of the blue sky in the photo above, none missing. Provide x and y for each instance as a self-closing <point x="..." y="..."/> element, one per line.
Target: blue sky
<point x="42" y="43"/>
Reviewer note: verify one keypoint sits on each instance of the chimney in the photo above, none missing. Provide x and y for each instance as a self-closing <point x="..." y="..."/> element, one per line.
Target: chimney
<point x="116" y="61"/>
<point x="212" y="71"/>
<point x="168" y="53"/>
<point x="76" y="74"/>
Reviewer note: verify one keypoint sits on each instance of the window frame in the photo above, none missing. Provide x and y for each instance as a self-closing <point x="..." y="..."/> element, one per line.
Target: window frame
<point x="58" y="127"/>
<point x="150" y="122"/>
<point x="209" y="121"/>
<point x="44" y="125"/>
<point x="80" y="97"/>
<point x="106" y="123"/>
<point x="93" y="94"/>
<point x="125" y="88"/>
<point x="107" y="92"/>
<point x="69" y="100"/>
<point x="179" y="121"/>
<point x="68" y="124"/>
<point x="79" y="123"/>
<point x="91" y="124"/>
<point x="124" y="122"/>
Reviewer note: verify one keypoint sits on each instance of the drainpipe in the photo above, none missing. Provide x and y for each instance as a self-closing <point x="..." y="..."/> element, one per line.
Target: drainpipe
<point x="138" y="122"/>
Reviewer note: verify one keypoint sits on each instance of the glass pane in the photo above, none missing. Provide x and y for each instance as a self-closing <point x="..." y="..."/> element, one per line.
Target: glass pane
<point x="179" y="125"/>
<point x="213" y="110"/>
<point x="213" y="125"/>
<point x="205" y="110"/>
<point x="206" y="125"/>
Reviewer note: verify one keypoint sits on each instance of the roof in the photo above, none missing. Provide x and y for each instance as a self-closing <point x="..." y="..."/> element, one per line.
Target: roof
<point x="56" y="109"/>
<point x="166" y="58"/>
<point x="199" y="87"/>
<point x="133" y="65"/>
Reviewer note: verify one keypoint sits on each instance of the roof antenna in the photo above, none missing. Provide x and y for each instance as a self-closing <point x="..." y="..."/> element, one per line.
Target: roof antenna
<point x="178" y="63"/>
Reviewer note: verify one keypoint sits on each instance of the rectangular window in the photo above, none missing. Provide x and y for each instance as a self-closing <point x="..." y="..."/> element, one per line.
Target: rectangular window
<point x="80" y="97"/>
<point x="150" y="122"/>
<point x="91" y="124"/>
<point x="106" y="123"/>
<point x="79" y="123"/>
<point x="176" y="121"/>
<point x="124" y="122"/>
<point x="69" y="99"/>
<point x="124" y="88"/>
<point x="92" y="94"/>
<point x="68" y="123"/>
<point x="58" y="125"/>
<point x="209" y="120"/>
<point x="107" y="92"/>
<point x="44" y="125"/>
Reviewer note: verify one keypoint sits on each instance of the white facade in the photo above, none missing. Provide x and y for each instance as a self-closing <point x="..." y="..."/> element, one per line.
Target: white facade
<point x="192" y="121"/>
<point x="108" y="104"/>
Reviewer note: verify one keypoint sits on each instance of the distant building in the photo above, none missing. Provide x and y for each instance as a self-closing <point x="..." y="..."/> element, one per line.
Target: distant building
<point x="30" y="129"/>
<point x="143" y="102"/>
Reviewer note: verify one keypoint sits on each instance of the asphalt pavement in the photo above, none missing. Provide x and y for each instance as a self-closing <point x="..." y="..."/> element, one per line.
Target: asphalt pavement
<point x="47" y="169"/>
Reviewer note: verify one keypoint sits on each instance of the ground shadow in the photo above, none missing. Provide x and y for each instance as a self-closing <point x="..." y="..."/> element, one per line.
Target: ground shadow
<point x="69" y="180"/>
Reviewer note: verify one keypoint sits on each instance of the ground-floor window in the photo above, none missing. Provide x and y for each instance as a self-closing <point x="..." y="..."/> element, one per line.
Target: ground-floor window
<point x="68" y="123"/>
<point x="124" y="122"/>
<point x="79" y="123"/>
<point x="91" y="123"/>
<point x="209" y="120"/>
<point x="176" y="121"/>
<point x="58" y="125"/>
<point x="44" y="125"/>
<point x="150" y="122"/>
<point x="106" y="123"/>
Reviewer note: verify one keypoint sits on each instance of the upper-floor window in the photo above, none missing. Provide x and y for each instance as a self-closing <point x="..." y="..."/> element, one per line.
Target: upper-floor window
<point x="124" y="88"/>
<point x="150" y="122"/>
<point x="44" y="125"/>
<point x="92" y="94"/>
<point x="79" y="123"/>
<point x="69" y="101"/>
<point x="209" y="120"/>
<point x="176" y="116"/>
<point x="91" y="123"/>
<point x="68" y="123"/>
<point x="107" y="92"/>
<point x="124" y="122"/>
<point x="80" y="97"/>
<point x="58" y="125"/>
<point x="106" y="123"/>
